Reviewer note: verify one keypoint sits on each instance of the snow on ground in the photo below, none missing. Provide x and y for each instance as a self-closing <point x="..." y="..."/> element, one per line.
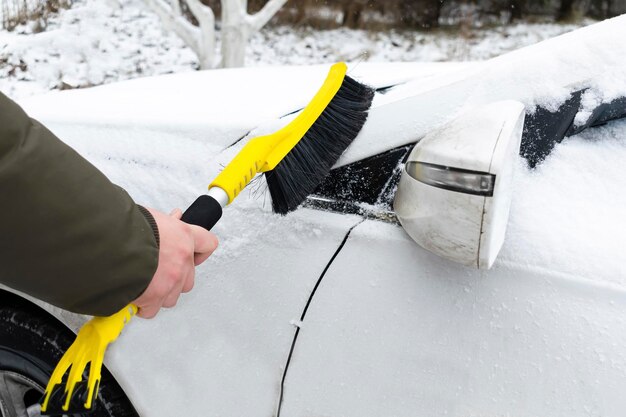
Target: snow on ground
<point x="90" y="44"/>
<point x="287" y="46"/>
<point x="97" y="42"/>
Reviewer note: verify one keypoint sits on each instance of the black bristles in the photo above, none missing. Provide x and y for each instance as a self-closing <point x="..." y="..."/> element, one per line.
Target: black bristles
<point x="308" y="163"/>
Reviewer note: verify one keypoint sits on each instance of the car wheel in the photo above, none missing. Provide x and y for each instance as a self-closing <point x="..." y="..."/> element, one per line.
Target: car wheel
<point x="31" y="344"/>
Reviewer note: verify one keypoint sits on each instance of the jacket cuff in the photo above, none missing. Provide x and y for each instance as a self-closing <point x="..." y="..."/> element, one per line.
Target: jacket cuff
<point x="150" y="218"/>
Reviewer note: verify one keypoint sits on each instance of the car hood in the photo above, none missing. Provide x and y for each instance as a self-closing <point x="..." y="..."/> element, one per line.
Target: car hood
<point x="216" y="106"/>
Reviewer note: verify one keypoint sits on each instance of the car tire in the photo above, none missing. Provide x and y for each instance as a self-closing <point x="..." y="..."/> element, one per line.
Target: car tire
<point x="31" y="344"/>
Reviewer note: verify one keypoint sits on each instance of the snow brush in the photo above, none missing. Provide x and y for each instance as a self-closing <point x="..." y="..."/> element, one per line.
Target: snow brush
<point x="294" y="159"/>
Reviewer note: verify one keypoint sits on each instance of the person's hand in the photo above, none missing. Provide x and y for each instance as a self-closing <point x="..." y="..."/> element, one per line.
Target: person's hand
<point x="182" y="248"/>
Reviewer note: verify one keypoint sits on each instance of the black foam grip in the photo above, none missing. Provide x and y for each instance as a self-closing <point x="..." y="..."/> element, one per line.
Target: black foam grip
<point x="204" y="212"/>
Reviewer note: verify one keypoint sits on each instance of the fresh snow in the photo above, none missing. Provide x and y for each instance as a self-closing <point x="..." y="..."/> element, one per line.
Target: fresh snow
<point x="303" y="46"/>
<point x="544" y="74"/>
<point x="92" y="43"/>
<point x="217" y="106"/>
<point x="567" y="214"/>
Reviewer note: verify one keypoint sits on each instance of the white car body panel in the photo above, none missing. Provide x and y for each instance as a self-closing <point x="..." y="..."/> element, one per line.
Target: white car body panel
<point x="424" y="338"/>
<point x="392" y="329"/>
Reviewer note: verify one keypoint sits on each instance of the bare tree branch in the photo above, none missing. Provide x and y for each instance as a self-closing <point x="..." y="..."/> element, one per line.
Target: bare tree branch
<point x="206" y="20"/>
<point x="237" y="25"/>
<point x="176" y="22"/>
<point x="202" y="13"/>
<point x="260" y="19"/>
<point x="175" y="5"/>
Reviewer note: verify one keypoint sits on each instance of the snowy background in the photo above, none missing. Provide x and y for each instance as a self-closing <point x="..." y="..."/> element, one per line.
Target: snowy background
<point x="97" y="42"/>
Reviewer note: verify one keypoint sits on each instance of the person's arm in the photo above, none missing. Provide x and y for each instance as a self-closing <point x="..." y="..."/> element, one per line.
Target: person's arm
<point x="70" y="237"/>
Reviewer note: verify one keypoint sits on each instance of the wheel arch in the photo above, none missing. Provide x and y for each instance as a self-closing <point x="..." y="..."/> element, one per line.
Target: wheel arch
<point x="8" y="297"/>
<point x="67" y="324"/>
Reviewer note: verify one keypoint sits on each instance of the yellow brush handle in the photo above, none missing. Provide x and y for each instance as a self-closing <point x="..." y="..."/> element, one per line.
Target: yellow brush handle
<point x="263" y="153"/>
<point x="89" y="347"/>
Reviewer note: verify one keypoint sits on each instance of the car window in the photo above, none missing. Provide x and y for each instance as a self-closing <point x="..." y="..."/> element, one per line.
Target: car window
<point x="544" y="128"/>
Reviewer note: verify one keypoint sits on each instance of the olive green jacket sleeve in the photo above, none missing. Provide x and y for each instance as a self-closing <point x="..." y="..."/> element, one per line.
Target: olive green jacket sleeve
<point x="68" y="236"/>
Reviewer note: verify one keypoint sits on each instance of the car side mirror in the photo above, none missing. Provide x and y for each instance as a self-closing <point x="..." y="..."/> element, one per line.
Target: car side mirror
<point x="455" y="191"/>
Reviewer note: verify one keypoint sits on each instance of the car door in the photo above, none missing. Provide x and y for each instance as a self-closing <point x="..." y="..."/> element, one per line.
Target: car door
<point x="395" y="330"/>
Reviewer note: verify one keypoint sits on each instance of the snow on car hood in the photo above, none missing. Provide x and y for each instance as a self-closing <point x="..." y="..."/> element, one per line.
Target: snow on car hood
<point x="217" y="106"/>
<point x="545" y="74"/>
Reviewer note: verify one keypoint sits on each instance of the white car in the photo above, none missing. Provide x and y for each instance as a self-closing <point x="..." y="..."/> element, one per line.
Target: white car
<point x="335" y="309"/>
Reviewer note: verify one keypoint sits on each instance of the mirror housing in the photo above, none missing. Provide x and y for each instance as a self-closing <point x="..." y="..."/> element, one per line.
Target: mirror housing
<point x="455" y="190"/>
